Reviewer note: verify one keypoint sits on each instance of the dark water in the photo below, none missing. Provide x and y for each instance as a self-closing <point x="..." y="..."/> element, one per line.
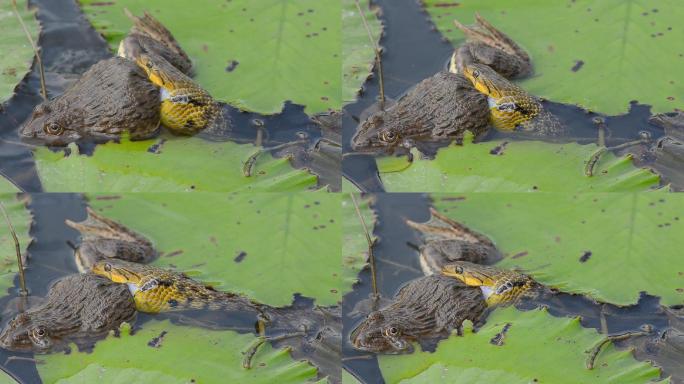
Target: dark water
<point x="69" y="47"/>
<point x="413" y="50"/>
<point x="397" y="262"/>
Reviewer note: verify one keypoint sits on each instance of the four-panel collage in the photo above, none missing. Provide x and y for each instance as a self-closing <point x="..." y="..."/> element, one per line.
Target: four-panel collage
<point x="341" y="191"/>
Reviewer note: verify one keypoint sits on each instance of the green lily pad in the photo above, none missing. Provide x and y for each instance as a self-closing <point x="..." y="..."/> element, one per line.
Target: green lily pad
<point x="268" y="246"/>
<point x="181" y="164"/>
<point x="7" y="186"/>
<point x="184" y="354"/>
<point x="536" y="348"/>
<point x="347" y="378"/>
<point x="598" y="54"/>
<point x="520" y="166"/>
<point x="14" y="66"/>
<point x="354" y="243"/>
<point x="357" y="50"/>
<point x="253" y="55"/>
<point x="608" y="246"/>
<point x="21" y="221"/>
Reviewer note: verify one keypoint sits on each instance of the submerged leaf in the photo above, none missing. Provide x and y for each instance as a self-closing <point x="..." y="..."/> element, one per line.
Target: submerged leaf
<point x="358" y="52"/>
<point x="21" y="221"/>
<point x="355" y="245"/>
<point x="14" y="66"/>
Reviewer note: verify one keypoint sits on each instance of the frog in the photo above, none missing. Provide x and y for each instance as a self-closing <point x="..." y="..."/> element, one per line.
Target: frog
<point x="113" y="97"/>
<point x="79" y="309"/>
<point x="156" y="289"/>
<point x="500" y="287"/>
<point x="446" y="240"/>
<point x="103" y="238"/>
<point x="120" y="95"/>
<point x="487" y="45"/>
<point x="424" y="310"/>
<point x="442" y="107"/>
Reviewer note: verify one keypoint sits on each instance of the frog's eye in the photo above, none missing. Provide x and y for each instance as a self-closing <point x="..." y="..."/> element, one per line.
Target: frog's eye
<point x="107" y="267"/>
<point x="459" y="269"/>
<point x="39" y="332"/>
<point x="476" y="73"/>
<point x="389" y="136"/>
<point x="392" y="331"/>
<point x="53" y="129"/>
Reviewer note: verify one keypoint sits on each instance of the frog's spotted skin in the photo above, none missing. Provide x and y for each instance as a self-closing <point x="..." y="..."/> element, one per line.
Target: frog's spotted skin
<point x="499" y="286"/>
<point x="80" y="309"/>
<point x="425" y="309"/>
<point x="158" y="290"/>
<point x="441" y="107"/>
<point x="511" y="107"/>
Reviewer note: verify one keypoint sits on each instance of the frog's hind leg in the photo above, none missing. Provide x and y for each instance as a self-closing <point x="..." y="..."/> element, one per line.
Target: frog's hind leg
<point x="490" y="46"/>
<point x="441" y="227"/>
<point x="149" y="26"/>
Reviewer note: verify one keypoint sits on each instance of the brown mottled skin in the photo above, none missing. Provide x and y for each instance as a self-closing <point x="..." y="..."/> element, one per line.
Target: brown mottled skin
<point x="441" y="107"/>
<point x="113" y="96"/>
<point x="149" y="36"/>
<point x="447" y="241"/>
<point x="489" y="46"/>
<point x="79" y="309"/>
<point x="425" y="309"/>
<point x="103" y="238"/>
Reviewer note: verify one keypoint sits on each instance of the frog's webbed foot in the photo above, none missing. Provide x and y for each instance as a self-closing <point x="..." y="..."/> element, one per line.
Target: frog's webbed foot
<point x="490" y="46"/>
<point x="440" y="227"/>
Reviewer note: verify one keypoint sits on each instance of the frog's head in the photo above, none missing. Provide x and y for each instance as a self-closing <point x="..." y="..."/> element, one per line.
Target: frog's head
<point x="381" y="334"/>
<point x="52" y="124"/>
<point x="372" y="135"/>
<point x="29" y="331"/>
